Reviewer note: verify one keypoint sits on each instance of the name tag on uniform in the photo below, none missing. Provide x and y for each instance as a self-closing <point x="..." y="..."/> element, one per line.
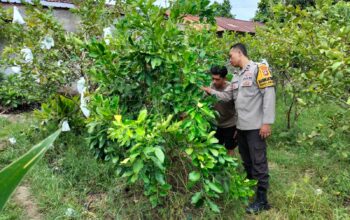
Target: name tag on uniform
<point x="247" y="75"/>
<point x="247" y="83"/>
<point x="247" y="79"/>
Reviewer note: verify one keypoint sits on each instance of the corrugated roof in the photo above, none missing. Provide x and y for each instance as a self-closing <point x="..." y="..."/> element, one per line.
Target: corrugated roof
<point x="47" y="3"/>
<point x="231" y="24"/>
<point x="227" y="24"/>
<point x="61" y="1"/>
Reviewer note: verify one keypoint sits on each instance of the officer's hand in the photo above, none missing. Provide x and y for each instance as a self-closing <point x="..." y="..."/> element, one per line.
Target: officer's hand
<point x="265" y="131"/>
<point x="206" y="89"/>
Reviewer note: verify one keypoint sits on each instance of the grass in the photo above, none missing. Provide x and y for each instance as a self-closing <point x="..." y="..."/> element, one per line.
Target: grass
<point x="308" y="179"/>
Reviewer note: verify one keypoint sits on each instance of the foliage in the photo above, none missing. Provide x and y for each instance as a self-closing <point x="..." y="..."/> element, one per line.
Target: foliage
<point x="50" y="69"/>
<point x="103" y="111"/>
<point x="201" y="8"/>
<point x="314" y="67"/>
<point x="152" y="66"/>
<point x="95" y="16"/>
<point x="266" y="8"/>
<point x="265" y="11"/>
<point x="59" y="109"/>
<point x="223" y="9"/>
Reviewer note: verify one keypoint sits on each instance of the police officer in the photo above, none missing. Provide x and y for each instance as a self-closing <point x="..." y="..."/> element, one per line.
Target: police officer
<point x="254" y="94"/>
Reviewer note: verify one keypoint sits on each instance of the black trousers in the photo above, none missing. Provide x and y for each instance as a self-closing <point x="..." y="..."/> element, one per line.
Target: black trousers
<point x="225" y="137"/>
<point x="252" y="149"/>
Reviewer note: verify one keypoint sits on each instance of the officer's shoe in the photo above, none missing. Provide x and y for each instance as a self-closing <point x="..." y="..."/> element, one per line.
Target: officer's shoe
<point x="260" y="203"/>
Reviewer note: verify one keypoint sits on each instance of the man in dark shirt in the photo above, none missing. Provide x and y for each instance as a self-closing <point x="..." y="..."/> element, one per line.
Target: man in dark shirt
<point x="226" y="122"/>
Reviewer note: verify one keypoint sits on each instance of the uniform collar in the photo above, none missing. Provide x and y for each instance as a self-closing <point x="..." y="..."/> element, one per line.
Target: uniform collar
<point x="250" y="63"/>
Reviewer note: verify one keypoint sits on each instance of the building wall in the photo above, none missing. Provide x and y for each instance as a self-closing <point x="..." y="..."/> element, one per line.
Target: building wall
<point x="69" y="21"/>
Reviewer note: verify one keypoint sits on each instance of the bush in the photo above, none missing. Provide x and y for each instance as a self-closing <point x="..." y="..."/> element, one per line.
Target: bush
<point x="148" y="79"/>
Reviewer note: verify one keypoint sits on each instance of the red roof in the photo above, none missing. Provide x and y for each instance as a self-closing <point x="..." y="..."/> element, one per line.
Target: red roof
<point x="231" y="24"/>
<point x="61" y="1"/>
<point x="227" y="24"/>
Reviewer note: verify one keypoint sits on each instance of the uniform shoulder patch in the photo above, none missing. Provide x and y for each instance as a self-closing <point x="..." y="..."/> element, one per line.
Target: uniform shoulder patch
<point x="264" y="78"/>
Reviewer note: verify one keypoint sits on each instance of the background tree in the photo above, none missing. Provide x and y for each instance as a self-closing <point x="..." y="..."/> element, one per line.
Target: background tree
<point x="313" y="68"/>
<point x="223" y="9"/>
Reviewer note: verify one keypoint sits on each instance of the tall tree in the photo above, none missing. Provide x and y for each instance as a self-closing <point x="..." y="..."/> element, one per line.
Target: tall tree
<point x="223" y="9"/>
<point x="265" y="11"/>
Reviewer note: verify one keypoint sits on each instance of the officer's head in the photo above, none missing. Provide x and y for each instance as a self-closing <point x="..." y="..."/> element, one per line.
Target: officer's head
<point x="238" y="52"/>
<point x="218" y="75"/>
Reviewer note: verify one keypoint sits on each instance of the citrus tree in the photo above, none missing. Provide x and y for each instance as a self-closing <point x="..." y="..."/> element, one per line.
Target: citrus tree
<point x="149" y="116"/>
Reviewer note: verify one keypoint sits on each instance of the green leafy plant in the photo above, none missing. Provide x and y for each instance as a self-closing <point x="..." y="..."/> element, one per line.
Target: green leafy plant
<point x="141" y="153"/>
<point x="103" y="111"/>
<point x="59" y="109"/>
<point x="161" y="135"/>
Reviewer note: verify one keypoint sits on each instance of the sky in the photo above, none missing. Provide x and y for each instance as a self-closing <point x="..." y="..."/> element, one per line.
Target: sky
<point x="243" y="9"/>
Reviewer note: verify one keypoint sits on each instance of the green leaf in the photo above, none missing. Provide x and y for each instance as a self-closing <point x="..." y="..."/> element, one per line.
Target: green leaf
<point x="148" y="150"/>
<point x="142" y="115"/>
<point x="156" y="62"/>
<point x="196" y="197"/>
<point x="194" y="176"/>
<point x="140" y="131"/>
<point x="11" y="176"/>
<point x="115" y="159"/>
<point x="216" y="187"/>
<point x="189" y="151"/>
<point x="154" y="200"/>
<point x="126" y="160"/>
<point x="160" y="155"/>
<point x="134" y="178"/>
<point x="336" y="65"/>
<point x="213" y="140"/>
<point x="211" y="134"/>
<point x="160" y="178"/>
<point x="213" y="206"/>
<point x="301" y="101"/>
<point x="138" y="165"/>
<point x="214" y="152"/>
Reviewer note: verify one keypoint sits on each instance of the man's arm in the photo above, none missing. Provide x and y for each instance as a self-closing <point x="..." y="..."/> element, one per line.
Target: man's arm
<point x="226" y="95"/>
<point x="267" y="88"/>
<point x="269" y="103"/>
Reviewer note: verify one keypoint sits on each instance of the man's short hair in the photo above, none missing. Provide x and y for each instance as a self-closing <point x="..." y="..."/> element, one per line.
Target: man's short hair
<point x="240" y="47"/>
<point x="219" y="70"/>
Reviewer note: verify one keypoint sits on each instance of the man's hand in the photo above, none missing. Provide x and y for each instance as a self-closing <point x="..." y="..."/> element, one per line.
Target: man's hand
<point x="206" y="89"/>
<point x="235" y="134"/>
<point x="265" y="131"/>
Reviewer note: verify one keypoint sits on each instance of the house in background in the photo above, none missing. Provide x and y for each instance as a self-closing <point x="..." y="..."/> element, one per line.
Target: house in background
<point x="226" y="24"/>
<point x="60" y="10"/>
